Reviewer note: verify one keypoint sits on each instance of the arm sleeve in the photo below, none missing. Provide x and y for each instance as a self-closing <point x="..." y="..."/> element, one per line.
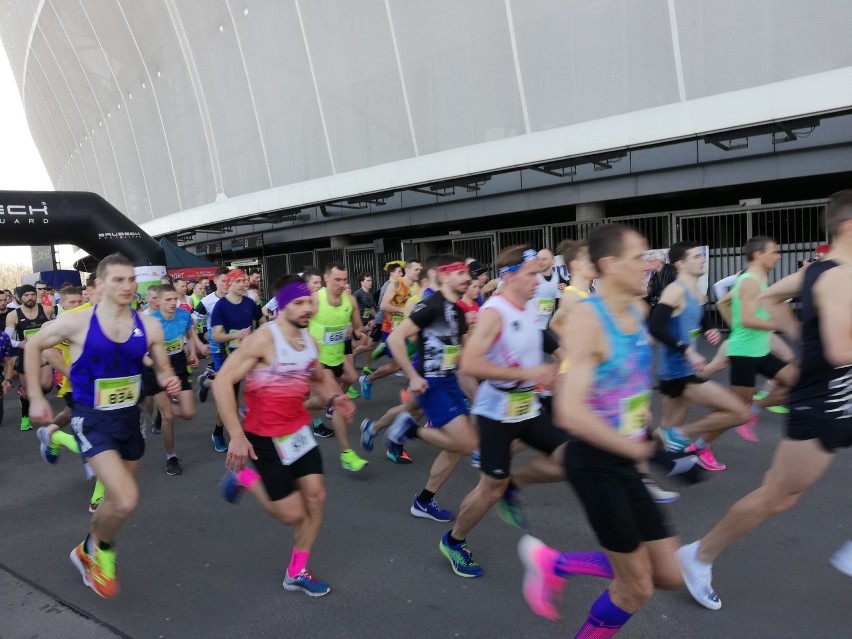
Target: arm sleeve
<point x="658" y="321"/>
<point x="721" y="288"/>
<point x="707" y="321"/>
<point x="11" y="333"/>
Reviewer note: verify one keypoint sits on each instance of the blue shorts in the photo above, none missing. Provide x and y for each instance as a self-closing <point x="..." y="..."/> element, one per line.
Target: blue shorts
<point x="443" y="401"/>
<point x="218" y="360"/>
<point x="385" y="342"/>
<point x="100" y="430"/>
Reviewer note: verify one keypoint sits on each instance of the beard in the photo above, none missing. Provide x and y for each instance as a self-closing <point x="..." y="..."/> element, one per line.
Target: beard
<point x="30" y="303"/>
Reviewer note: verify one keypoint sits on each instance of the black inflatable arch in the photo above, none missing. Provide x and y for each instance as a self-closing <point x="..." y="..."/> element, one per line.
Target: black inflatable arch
<point x="74" y="217"/>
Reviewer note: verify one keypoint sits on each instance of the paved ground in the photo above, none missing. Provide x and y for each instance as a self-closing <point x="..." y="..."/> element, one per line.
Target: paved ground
<point x="192" y="565"/>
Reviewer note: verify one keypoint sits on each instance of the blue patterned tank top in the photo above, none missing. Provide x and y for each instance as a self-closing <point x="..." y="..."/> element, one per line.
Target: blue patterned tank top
<point x="621" y="392"/>
<point x="108" y="375"/>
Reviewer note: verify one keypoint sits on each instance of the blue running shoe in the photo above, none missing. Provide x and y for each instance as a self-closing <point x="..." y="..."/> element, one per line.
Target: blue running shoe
<point x="219" y="443"/>
<point x="366" y="387"/>
<point x="460" y="558"/>
<point x="367" y="435"/>
<point x="231" y="488"/>
<point x="673" y="439"/>
<point x="510" y="508"/>
<point x="431" y="511"/>
<point x="397" y="454"/>
<point x="49" y="451"/>
<point x="307" y="583"/>
<point x="203" y="391"/>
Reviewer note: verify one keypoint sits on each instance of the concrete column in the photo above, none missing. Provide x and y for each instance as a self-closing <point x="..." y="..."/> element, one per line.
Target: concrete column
<point x="339" y="241"/>
<point x="590" y="211"/>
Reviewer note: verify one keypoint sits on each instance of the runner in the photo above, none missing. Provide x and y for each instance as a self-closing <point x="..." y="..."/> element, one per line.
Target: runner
<point x="547" y="291"/>
<point x="279" y="364"/>
<point x="107" y="345"/>
<point x="180" y="347"/>
<point x="603" y="399"/>
<point x="22" y="325"/>
<point x="336" y="315"/>
<point x="184" y="300"/>
<point x="819" y="421"/>
<point x="233" y="319"/>
<point x="441" y="326"/>
<point x="7" y="367"/>
<point x="751" y="328"/>
<point x="675" y="323"/>
<point x="506" y="351"/>
<point x="367" y="309"/>
<point x="393" y="305"/>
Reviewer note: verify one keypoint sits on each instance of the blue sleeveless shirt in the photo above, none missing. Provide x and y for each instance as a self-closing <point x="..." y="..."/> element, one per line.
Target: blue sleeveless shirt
<point x="107" y="375"/>
<point x="684" y="328"/>
<point x="621" y="391"/>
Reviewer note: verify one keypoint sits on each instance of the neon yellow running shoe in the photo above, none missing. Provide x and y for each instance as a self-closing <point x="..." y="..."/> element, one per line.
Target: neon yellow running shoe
<point x="351" y="462"/>
<point x="102" y="573"/>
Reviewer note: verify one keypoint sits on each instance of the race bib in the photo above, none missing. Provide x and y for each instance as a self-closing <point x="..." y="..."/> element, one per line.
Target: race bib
<point x="634" y="413"/>
<point x="397" y="320"/>
<point x="545" y="306"/>
<point x="234" y="343"/>
<point x="29" y="332"/>
<point x="694" y="334"/>
<point x="293" y="447"/>
<point x="450" y="359"/>
<point x="112" y="393"/>
<point x="174" y="346"/>
<point x="334" y="335"/>
<point x="519" y="404"/>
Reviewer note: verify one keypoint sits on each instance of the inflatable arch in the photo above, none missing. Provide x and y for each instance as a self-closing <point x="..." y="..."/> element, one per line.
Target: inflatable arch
<point x="83" y="219"/>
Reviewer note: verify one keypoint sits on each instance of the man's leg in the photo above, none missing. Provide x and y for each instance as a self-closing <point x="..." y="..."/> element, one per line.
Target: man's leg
<point x="476" y="505"/>
<point x="784" y="380"/>
<point x="726" y="409"/>
<point x="121" y="494"/>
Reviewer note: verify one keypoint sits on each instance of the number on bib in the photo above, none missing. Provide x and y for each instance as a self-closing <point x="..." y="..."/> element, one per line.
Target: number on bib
<point x="293" y="447"/>
<point x="519" y="404"/>
<point x="112" y="393"/>
<point x="634" y="413"/>
<point x="451" y="357"/>
<point x="174" y="346"/>
<point x="333" y="335"/>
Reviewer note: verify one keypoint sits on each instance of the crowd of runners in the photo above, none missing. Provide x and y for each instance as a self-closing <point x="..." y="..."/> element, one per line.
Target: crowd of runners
<point x="494" y="366"/>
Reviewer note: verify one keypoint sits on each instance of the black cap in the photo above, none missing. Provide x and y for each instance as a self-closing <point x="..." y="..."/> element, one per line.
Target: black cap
<point x="477" y="268"/>
<point x="26" y="288"/>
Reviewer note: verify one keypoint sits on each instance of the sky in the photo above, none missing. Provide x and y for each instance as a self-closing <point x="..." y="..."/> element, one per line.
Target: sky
<point x="21" y="170"/>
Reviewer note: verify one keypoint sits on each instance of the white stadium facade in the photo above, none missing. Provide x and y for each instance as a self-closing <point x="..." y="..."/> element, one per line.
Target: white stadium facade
<point x="288" y="132"/>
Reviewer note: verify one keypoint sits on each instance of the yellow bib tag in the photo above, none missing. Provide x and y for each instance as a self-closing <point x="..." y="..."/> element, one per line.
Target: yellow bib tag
<point x="112" y="393"/>
<point x="397" y="320"/>
<point x="519" y="404"/>
<point x="694" y="333"/>
<point x="174" y="346"/>
<point x="451" y="357"/>
<point x="545" y="306"/>
<point x="234" y="343"/>
<point x="28" y="333"/>
<point x="634" y="413"/>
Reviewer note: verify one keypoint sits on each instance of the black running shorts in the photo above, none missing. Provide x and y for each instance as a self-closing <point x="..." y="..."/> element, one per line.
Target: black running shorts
<point x="617" y="504"/>
<point x="744" y="370"/>
<point x="495" y="441"/>
<point x="831" y="433"/>
<point x="674" y="387"/>
<point x="278" y="479"/>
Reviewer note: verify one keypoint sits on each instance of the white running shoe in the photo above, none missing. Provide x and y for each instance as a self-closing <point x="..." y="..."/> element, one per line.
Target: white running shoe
<point x="842" y="559"/>
<point x="659" y="495"/>
<point x="697" y="576"/>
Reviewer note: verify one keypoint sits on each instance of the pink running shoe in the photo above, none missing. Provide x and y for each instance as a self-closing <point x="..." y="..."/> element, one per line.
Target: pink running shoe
<point x="708" y="461"/>
<point x="542" y="588"/>
<point x="747" y="430"/>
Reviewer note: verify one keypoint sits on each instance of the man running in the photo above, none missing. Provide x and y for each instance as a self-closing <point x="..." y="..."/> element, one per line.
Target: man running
<point x="506" y="351"/>
<point x="547" y="292"/>
<point x="279" y="364"/>
<point x="180" y="346"/>
<point x="21" y="325"/>
<point x="108" y="343"/>
<point x="820" y="418"/>
<point x="203" y="312"/>
<point x="751" y="329"/>
<point x="440" y="324"/>
<point x="676" y="322"/>
<point x="603" y="399"/>
<point x="393" y="302"/>
<point x="233" y="319"/>
<point x="337" y="314"/>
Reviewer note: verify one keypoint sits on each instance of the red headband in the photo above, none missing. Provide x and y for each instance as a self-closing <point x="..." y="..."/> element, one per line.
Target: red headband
<point x="233" y="276"/>
<point x="452" y="268"/>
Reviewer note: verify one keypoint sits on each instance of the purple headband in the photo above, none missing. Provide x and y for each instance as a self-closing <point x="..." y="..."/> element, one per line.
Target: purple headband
<point x="292" y="291"/>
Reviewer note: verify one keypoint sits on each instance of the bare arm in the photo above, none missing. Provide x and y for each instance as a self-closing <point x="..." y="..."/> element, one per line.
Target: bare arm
<point x="585" y="351"/>
<point x="398" y="348"/>
<point x="387" y="301"/>
<point x="833" y="293"/>
<point x="749" y="292"/>
<point x="66" y="328"/>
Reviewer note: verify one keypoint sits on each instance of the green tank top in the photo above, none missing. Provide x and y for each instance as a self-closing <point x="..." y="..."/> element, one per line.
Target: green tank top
<point x="747" y="342"/>
<point x="330" y="326"/>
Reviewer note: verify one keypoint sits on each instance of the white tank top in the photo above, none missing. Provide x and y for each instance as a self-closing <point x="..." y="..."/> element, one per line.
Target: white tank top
<point x="544" y="300"/>
<point x="519" y="345"/>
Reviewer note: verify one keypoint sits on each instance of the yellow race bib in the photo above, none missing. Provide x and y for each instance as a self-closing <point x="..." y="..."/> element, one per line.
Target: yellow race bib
<point x="112" y="393"/>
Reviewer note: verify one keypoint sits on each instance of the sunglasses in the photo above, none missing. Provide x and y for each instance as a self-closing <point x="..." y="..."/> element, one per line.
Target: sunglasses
<point x="40" y="288"/>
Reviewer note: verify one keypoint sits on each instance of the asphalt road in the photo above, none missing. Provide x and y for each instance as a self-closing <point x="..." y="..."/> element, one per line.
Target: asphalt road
<point x="191" y="565"/>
